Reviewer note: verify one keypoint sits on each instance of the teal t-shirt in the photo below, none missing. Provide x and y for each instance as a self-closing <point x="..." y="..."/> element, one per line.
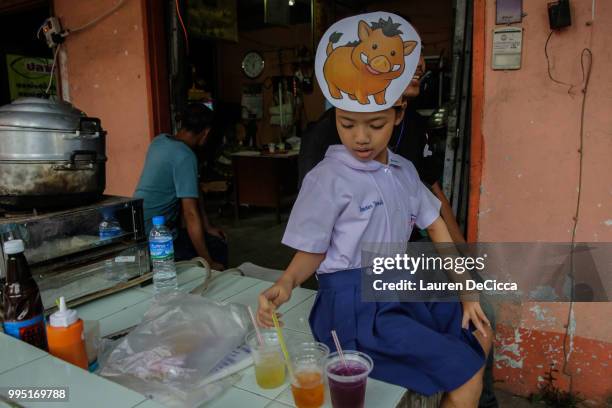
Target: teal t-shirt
<point x="170" y="173"/>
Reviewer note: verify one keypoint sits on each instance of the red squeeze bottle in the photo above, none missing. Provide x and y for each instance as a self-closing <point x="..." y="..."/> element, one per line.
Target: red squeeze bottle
<point x="66" y="336"/>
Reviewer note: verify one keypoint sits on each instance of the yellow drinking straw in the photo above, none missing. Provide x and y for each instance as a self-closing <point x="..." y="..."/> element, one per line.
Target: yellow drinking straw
<point x="281" y="340"/>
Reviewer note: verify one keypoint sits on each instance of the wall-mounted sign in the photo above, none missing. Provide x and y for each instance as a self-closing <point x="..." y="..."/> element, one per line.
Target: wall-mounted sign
<point x="213" y="19"/>
<point x="507" y="48"/>
<point x="252" y="101"/>
<point x="28" y="76"/>
<point x="509" y="11"/>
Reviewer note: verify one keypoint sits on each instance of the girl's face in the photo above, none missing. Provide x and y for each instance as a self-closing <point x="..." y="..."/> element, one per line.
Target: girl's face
<point x="366" y="135"/>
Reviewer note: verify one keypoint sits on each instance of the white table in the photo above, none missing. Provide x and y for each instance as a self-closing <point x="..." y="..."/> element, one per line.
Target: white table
<point x="23" y="365"/>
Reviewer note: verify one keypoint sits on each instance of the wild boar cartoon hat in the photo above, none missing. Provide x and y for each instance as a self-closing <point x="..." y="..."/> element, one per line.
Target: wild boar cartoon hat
<point x="365" y="62"/>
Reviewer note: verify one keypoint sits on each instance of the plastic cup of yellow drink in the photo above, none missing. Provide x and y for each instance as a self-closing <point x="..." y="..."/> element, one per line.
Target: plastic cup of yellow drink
<point x="267" y="358"/>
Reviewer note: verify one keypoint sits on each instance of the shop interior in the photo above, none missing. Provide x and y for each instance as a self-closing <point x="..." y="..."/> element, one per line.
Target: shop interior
<point x="252" y="61"/>
<point x="248" y="61"/>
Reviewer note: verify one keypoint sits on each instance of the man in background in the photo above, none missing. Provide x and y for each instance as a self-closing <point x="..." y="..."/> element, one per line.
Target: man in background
<point x="169" y="186"/>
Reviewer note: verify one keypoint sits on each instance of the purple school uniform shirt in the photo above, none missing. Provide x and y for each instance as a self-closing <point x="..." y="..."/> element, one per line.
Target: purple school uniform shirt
<point x="345" y="203"/>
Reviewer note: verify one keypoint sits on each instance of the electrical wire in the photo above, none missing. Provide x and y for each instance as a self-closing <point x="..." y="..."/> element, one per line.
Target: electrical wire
<point x="586" y="76"/>
<point x="40" y="29"/>
<point x="399" y="138"/>
<point x="76" y="30"/>
<point x="548" y="65"/>
<point x="52" y="68"/>
<point x="97" y="19"/>
<point x="180" y="18"/>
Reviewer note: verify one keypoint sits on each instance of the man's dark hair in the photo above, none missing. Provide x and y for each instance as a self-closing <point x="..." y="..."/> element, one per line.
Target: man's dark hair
<point x="196" y="117"/>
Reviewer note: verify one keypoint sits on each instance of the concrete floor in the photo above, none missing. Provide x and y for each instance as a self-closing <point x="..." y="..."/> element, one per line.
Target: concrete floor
<point x="507" y="400"/>
<point x="257" y="238"/>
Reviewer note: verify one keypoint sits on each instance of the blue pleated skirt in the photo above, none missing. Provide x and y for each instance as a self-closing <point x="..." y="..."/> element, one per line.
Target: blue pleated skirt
<point x="419" y="346"/>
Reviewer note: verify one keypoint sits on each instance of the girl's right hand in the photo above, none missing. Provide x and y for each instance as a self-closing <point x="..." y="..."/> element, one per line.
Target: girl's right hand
<point x="270" y="300"/>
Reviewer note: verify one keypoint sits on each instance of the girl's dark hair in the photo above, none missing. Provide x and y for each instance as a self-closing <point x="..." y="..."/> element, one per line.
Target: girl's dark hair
<point x="195" y="118"/>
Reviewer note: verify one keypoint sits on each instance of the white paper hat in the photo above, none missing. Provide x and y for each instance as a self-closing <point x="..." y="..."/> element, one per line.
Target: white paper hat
<point x="365" y="62"/>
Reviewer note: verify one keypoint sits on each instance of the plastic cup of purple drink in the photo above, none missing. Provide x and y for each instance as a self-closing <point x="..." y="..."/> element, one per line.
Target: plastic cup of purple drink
<point x="347" y="382"/>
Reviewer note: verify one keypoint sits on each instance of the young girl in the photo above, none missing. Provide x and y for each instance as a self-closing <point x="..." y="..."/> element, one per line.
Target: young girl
<point x="362" y="193"/>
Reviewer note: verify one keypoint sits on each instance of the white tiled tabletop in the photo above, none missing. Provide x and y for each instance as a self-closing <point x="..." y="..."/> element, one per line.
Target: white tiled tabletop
<point x="14" y="353"/>
<point x="84" y="389"/>
<point x="24" y="365"/>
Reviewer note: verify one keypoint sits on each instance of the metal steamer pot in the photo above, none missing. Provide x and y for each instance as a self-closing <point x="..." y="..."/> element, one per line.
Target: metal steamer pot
<point x="51" y="155"/>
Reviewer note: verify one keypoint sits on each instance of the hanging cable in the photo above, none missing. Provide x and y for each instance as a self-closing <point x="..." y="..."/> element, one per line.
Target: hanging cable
<point x="97" y="19"/>
<point x="178" y="13"/>
<point x="52" y="69"/>
<point x="548" y="65"/>
<point x="586" y="76"/>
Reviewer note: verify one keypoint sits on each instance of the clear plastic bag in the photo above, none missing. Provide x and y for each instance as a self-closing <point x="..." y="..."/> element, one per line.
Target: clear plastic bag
<point x="180" y="340"/>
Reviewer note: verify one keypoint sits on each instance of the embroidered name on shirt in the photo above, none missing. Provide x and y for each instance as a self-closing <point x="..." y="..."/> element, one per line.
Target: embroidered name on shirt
<point x="370" y="206"/>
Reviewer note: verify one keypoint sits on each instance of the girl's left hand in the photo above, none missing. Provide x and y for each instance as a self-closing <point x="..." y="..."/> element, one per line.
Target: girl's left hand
<point x="474" y="313"/>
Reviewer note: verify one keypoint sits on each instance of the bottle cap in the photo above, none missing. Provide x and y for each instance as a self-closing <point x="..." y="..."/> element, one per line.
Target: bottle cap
<point x="64" y="317"/>
<point x="159" y="220"/>
<point x="108" y="212"/>
<point x="14" y="246"/>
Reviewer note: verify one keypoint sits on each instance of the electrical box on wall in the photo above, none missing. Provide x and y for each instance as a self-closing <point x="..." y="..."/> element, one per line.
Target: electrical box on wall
<point x="52" y="30"/>
<point x="507" y="48"/>
<point x="559" y="15"/>
<point x="508" y="11"/>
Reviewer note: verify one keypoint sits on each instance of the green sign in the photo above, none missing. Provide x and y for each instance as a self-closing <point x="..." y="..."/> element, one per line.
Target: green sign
<point x="28" y="76"/>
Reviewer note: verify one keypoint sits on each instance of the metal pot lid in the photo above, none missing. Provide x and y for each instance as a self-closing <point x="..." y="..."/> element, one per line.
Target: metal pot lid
<point x="40" y="114"/>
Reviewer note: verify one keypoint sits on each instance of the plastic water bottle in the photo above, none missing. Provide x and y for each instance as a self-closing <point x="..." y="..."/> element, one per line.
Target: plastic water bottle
<point x="110" y="228"/>
<point x="162" y="257"/>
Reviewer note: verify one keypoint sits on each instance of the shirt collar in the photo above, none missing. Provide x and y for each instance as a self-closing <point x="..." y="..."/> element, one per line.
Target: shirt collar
<point x="341" y="153"/>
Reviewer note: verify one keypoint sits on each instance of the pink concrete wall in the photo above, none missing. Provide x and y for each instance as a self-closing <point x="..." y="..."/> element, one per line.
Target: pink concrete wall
<point x="531" y="133"/>
<point x="108" y="78"/>
<point x="529" y="187"/>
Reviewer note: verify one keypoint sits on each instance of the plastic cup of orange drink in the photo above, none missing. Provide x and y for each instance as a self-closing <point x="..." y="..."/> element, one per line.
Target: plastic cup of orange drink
<point x="308" y="380"/>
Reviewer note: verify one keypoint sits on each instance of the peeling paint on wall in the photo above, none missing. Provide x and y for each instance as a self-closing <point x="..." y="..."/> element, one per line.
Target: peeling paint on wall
<point x="509" y="351"/>
<point x="510" y="362"/>
<point x="541" y="314"/>
<point x="483" y="212"/>
<point x="524" y="356"/>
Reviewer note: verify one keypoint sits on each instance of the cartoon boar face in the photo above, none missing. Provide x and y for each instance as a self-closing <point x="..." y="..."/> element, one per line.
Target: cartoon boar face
<point x="380" y="53"/>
